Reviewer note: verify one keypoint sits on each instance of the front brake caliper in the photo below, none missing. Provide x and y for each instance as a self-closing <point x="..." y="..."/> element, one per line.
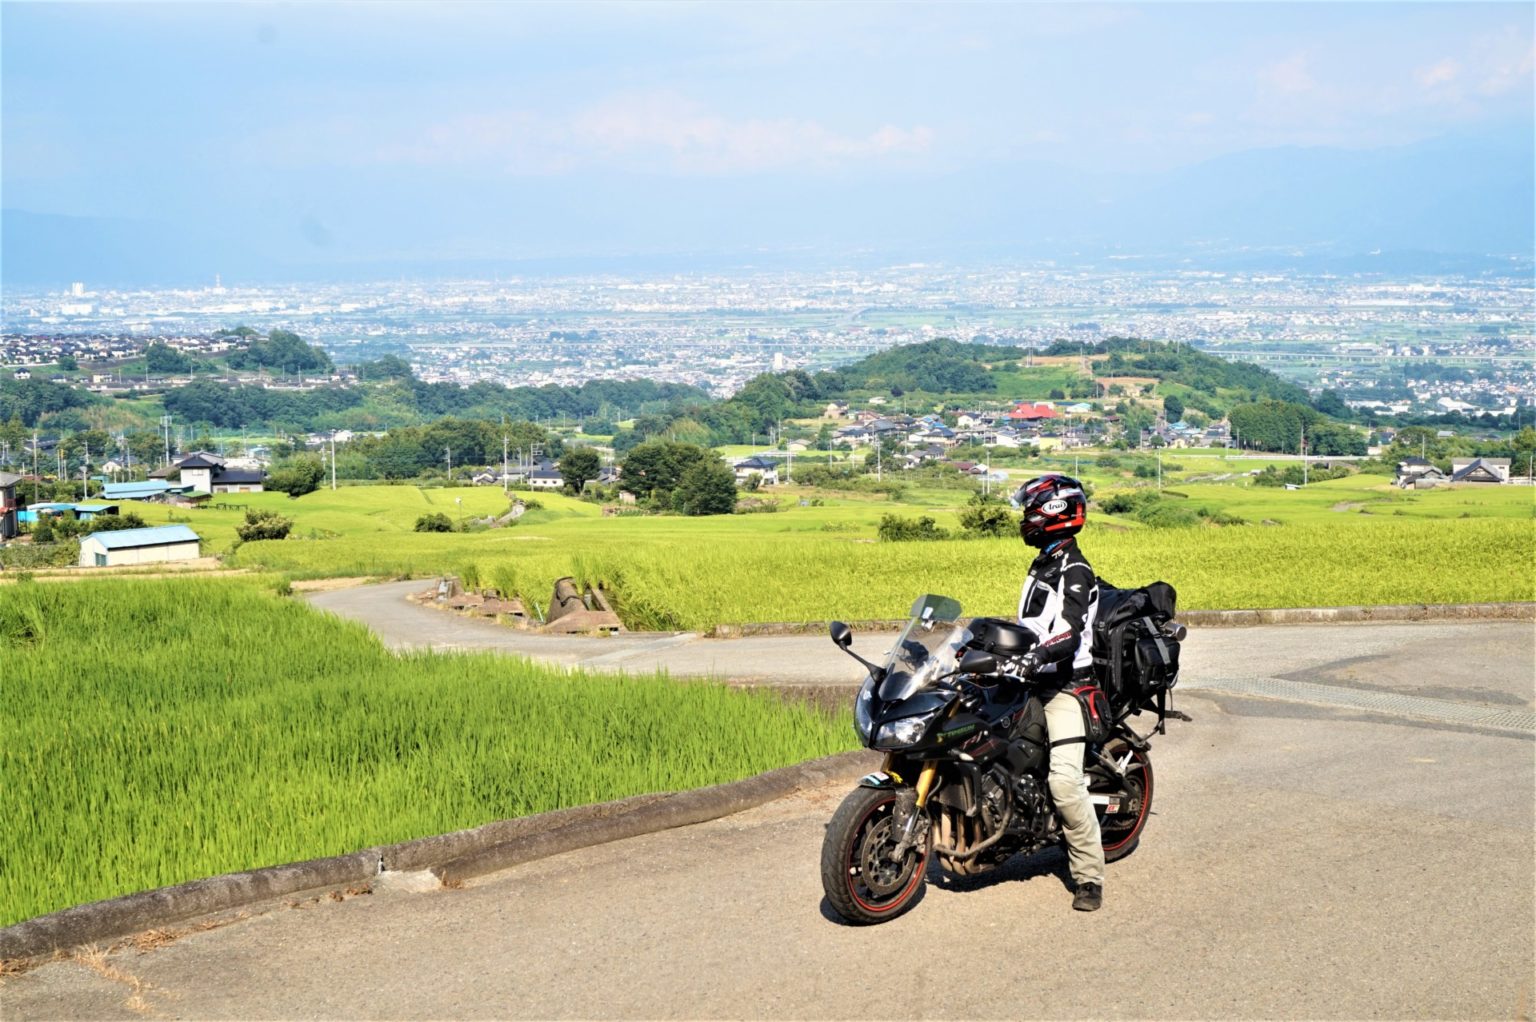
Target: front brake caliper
<point x="905" y="823"/>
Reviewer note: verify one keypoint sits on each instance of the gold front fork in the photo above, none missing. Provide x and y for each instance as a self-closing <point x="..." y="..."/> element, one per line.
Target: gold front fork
<point x="925" y="781"/>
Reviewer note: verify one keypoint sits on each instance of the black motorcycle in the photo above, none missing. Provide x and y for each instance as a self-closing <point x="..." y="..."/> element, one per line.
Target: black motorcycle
<point x="964" y="777"/>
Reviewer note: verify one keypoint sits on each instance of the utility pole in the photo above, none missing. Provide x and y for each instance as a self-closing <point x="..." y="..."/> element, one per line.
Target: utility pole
<point x="1159" y="471"/>
<point x="448" y="454"/>
<point x="1303" y="455"/>
<point x="165" y="424"/>
<point x="333" y="459"/>
<point x="35" y="476"/>
<point x="506" y="485"/>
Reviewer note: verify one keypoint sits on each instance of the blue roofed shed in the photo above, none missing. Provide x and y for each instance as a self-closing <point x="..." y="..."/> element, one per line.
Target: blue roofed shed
<point x="139" y="546"/>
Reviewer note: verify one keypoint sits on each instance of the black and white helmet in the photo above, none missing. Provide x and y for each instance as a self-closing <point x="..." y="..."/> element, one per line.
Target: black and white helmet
<point x="1054" y="507"/>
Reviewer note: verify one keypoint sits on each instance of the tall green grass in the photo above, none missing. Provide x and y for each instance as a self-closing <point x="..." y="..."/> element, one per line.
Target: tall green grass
<point x="159" y="731"/>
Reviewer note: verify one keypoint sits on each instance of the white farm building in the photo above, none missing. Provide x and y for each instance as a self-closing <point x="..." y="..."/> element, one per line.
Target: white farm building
<point x="139" y="546"/>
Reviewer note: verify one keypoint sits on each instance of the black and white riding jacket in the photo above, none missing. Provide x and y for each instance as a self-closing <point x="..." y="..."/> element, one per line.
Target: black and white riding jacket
<point x="1059" y="604"/>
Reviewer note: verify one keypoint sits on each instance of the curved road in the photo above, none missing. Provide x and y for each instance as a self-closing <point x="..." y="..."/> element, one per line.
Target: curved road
<point x="1345" y="831"/>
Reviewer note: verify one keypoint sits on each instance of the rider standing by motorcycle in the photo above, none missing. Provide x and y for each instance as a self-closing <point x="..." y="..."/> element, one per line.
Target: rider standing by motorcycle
<point x="1059" y="603"/>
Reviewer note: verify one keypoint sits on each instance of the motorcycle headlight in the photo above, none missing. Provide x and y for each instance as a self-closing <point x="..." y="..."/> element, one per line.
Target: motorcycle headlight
<point x="862" y="719"/>
<point x="900" y="733"/>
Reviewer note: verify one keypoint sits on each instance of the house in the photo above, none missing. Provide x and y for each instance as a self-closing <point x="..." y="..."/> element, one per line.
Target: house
<point x="1419" y="474"/>
<point x="8" y="505"/>
<point x="546" y="477"/>
<point x="209" y="473"/>
<point x="139" y="546"/>
<point x="766" y="471"/>
<point x="85" y="512"/>
<point x="797" y="447"/>
<point x="1411" y="468"/>
<point x="1029" y="412"/>
<point x="1482" y="471"/>
<point x="484" y="478"/>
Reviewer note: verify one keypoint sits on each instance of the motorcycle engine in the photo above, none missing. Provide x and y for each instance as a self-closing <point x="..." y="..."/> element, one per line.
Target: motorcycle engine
<point x="1031" y="809"/>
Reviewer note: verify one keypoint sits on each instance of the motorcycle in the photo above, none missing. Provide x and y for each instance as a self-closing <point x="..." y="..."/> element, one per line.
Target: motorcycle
<point x="966" y="760"/>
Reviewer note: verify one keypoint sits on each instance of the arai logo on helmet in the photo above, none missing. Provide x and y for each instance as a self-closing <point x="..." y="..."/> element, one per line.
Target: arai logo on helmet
<point x="1054" y="507"/>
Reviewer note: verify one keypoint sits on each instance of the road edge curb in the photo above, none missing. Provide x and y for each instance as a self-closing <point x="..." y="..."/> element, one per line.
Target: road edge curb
<point x="680" y="810"/>
<point x="451" y="857"/>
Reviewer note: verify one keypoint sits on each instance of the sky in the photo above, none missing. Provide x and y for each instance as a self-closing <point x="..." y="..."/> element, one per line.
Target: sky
<point x="358" y="133"/>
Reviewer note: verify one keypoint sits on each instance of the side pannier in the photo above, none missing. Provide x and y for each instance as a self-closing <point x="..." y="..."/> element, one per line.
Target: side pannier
<point x="1135" y="658"/>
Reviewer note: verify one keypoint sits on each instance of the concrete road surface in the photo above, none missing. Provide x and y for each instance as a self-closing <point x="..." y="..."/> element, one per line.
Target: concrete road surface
<point x="1364" y="854"/>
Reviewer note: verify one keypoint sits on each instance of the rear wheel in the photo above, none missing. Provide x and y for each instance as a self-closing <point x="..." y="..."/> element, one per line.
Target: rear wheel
<point x="1120" y="830"/>
<point x="862" y="883"/>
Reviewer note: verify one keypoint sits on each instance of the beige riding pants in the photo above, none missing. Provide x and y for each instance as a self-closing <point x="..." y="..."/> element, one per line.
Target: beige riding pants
<point x="1085" y="848"/>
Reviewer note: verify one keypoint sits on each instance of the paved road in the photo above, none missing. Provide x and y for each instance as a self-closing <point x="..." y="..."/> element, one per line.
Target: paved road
<point x="1305" y="859"/>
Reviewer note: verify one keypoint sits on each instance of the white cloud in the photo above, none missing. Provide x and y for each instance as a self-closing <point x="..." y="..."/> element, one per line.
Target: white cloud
<point x="659" y="131"/>
<point x="1290" y="76"/>
<point x="1441" y="73"/>
<point x="686" y="135"/>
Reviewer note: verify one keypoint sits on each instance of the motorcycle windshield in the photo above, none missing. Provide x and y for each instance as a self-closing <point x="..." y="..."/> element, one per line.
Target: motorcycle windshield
<point x="927" y="648"/>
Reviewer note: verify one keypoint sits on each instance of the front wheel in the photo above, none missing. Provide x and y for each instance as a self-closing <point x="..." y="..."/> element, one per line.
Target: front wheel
<point x="863" y="884"/>
<point x="1122" y="829"/>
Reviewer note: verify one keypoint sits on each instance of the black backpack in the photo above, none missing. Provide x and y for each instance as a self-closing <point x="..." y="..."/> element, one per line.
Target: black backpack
<point x="1135" y="661"/>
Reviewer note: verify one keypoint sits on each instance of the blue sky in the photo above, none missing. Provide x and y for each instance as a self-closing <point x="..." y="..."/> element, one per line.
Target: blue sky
<point x="368" y="131"/>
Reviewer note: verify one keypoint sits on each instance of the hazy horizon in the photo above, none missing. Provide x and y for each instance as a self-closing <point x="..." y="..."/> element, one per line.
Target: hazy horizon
<point x="167" y="143"/>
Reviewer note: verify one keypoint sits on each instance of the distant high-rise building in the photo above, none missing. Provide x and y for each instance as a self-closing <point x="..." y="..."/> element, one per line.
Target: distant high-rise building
<point x="77" y="289"/>
<point x="218" y="282"/>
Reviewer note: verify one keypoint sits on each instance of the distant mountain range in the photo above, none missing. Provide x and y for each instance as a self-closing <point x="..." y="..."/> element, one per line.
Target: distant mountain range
<point x="1452" y="204"/>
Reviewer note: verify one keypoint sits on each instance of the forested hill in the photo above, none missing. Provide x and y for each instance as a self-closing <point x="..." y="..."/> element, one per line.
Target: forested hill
<point x="924" y="375"/>
<point x="945" y="372"/>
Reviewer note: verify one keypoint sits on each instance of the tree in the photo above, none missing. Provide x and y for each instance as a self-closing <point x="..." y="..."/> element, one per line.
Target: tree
<point x="706" y="488"/>
<point x="114" y="523"/>
<point x="163" y="358"/>
<point x="68" y="364"/>
<point x="263" y="525"/>
<point x="656" y="467"/>
<point x="1173" y="408"/>
<point x="386" y="367"/>
<point x="579" y="466"/>
<point x="297" y="477"/>
<point x="1329" y="402"/>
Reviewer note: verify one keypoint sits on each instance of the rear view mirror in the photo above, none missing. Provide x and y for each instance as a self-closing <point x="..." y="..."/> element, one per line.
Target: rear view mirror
<point x="842" y="635"/>
<point x="977" y="661"/>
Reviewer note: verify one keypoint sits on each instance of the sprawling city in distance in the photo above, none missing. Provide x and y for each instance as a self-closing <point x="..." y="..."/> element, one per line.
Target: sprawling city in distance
<point x="712" y="510"/>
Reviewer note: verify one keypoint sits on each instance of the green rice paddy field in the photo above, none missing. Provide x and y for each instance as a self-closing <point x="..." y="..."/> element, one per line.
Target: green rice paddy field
<point x="157" y="731"/>
<point x="1345" y="541"/>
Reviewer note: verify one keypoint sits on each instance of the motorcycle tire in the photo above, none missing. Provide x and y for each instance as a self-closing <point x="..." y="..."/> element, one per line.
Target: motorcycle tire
<point x="861" y="882"/>
<point x="1121" y="832"/>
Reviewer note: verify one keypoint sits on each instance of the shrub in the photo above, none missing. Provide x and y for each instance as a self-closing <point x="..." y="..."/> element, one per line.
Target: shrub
<point x="434" y="522"/>
<point x="986" y="516"/>
<point x="895" y="529"/>
<point x="263" y="525"/>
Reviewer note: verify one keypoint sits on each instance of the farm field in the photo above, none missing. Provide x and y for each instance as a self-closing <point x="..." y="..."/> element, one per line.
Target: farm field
<point x="159" y="731"/>
<point x="1344" y="541"/>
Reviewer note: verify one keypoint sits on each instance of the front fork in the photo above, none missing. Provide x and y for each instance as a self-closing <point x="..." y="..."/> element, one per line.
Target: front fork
<point x="909" y="816"/>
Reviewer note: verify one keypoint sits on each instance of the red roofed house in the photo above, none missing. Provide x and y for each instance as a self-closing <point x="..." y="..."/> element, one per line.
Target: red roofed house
<point x="1027" y="412"/>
